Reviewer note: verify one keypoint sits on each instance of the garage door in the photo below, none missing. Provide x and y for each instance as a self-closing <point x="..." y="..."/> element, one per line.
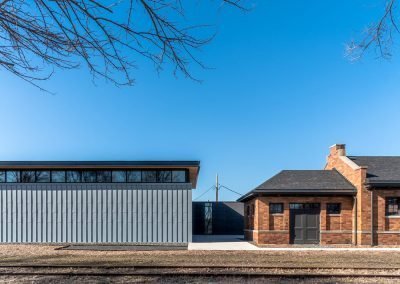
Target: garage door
<point x="304" y="223"/>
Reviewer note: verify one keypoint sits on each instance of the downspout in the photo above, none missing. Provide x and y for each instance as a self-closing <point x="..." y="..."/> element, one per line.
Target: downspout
<point x="372" y="217"/>
<point x="355" y="220"/>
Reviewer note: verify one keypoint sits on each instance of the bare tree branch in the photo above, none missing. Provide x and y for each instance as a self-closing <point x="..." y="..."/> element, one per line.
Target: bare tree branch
<point x="378" y="36"/>
<point x="60" y="34"/>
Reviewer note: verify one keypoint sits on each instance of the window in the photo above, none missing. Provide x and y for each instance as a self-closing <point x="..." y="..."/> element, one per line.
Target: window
<point x="93" y="176"/>
<point x="149" y="176"/>
<point x="178" y="176"/>
<point x="304" y="206"/>
<point x="208" y="218"/>
<point x="58" y="176"/>
<point x="276" y="208"/>
<point x="248" y="210"/>
<point x="27" y="176"/>
<point x="104" y="176"/>
<point x="134" y="176"/>
<point x="13" y="176"/>
<point x="43" y="176"/>
<point x="89" y="176"/>
<point x="118" y="176"/>
<point x="74" y="176"/>
<point x="252" y="209"/>
<point x="164" y="176"/>
<point x="333" y="208"/>
<point x="392" y="206"/>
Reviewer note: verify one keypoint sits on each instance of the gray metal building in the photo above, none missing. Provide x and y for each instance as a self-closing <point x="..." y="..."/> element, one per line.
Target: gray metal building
<point x="96" y="202"/>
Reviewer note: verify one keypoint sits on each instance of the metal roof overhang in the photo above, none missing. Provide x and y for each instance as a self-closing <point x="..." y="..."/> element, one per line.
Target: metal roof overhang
<point x="192" y="166"/>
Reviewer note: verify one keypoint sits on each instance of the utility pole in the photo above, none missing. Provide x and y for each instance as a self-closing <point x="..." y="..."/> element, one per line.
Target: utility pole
<point x="216" y="189"/>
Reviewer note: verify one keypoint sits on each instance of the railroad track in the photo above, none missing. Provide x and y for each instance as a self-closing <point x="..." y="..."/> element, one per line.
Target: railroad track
<point x="198" y="271"/>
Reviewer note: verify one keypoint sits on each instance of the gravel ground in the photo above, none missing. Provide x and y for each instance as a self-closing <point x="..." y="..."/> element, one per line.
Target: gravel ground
<point x="173" y="280"/>
<point x="45" y="254"/>
<point x="15" y="255"/>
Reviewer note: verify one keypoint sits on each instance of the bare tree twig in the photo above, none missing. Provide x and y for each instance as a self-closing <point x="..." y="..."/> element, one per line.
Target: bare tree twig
<point x="378" y="36"/>
<point x="62" y="34"/>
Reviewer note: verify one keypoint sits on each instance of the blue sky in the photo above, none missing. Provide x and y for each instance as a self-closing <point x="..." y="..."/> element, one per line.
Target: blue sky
<point x="281" y="92"/>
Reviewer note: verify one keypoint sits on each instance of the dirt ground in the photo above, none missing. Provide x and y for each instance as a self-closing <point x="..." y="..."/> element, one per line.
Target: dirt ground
<point x="48" y="255"/>
<point x="173" y="280"/>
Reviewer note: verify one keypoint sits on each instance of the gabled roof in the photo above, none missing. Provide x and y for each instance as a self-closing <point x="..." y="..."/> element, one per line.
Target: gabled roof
<point x="380" y="169"/>
<point x="307" y="182"/>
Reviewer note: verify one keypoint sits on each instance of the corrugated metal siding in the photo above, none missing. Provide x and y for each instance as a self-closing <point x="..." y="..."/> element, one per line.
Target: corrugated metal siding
<point x="95" y="213"/>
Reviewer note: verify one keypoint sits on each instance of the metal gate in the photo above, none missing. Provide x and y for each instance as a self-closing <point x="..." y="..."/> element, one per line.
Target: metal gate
<point x="222" y="218"/>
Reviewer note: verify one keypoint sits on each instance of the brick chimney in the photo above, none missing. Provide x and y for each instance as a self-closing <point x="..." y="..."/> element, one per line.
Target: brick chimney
<point x="338" y="150"/>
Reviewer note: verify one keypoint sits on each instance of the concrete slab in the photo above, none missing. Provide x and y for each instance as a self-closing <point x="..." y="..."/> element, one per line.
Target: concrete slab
<point x="222" y="246"/>
<point x="220" y="242"/>
<point x="237" y="242"/>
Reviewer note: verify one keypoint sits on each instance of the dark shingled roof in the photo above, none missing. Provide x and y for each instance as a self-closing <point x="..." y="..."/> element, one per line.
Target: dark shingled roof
<point x="304" y="182"/>
<point x="381" y="169"/>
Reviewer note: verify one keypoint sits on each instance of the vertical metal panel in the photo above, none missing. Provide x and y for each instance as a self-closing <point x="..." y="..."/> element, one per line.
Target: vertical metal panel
<point x="145" y="216"/>
<point x="89" y="213"/>
<point x="190" y="208"/>
<point x="184" y="216"/>
<point x="179" y="209"/>
<point x="129" y="213"/>
<point x="159" y="215"/>
<point x="164" y="215"/>
<point x="174" y="216"/>
<point x="135" y="202"/>
<point x="140" y="216"/>
<point x="169" y="216"/>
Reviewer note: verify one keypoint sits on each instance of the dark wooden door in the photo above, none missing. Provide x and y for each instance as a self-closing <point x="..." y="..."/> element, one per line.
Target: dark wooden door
<point x="304" y="226"/>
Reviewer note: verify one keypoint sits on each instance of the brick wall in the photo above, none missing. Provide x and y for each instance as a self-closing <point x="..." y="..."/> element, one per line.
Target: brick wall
<point x="386" y="228"/>
<point x="356" y="175"/>
<point x="274" y="228"/>
<point x="268" y="228"/>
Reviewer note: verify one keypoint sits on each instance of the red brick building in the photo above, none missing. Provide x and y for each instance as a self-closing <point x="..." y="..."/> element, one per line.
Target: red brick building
<point x="354" y="200"/>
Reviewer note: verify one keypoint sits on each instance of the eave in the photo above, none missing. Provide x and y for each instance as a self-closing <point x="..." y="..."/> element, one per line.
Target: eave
<point x="297" y="192"/>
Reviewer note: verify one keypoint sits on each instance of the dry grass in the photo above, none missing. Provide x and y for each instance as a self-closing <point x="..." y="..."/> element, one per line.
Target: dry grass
<point x="45" y="254"/>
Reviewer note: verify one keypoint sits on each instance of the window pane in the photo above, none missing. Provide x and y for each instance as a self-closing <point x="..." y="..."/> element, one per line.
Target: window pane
<point x="208" y="218"/>
<point x="28" y="176"/>
<point x="276" y="208"/>
<point x="2" y="176"/>
<point x="73" y="176"/>
<point x="333" y="208"/>
<point x="118" y="176"/>
<point x="149" y="176"/>
<point x="164" y="176"/>
<point x="58" y="176"/>
<point x="104" y="176"/>
<point x="178" y="176"/>
<point x="89" y="176"/>
<point x="43" y="176"/>
<point x="392" y="206"/>
<point x="134" y="176"/>
<point x="13" y="176"/>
